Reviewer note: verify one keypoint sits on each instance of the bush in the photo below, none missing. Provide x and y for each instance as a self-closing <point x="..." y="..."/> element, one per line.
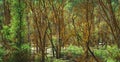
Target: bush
<point x="109" y="54"/>
<point x="20" y="54"/>
<point x="74" y="50"/>
<point x="113" y="51"/>
<point x="110" y="59"/>
<point x="101" y="53"/>
<point x="2" y="53"/>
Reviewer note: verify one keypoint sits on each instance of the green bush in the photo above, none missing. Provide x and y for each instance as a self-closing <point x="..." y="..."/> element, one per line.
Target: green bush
<point x="2" y="53"/>
<point x="74" y="50"/>
<point x="113" y="51"/>
<point x="101" y="53"/>
<point x="109" y="54"/>
<point x="20" y="54"/>
<point x="110" y="59"/>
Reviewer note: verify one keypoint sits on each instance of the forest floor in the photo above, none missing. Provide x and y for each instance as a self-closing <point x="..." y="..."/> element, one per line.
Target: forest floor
<point x="69" y="57"/>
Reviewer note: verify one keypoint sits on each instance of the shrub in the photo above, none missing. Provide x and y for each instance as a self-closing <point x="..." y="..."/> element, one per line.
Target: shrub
<point x="109" y="54"/>
<point x="101" y="53"/>
<point x="74" y="50"/>
<point x="113" y="51"/>
<point x="20" y="54"/>
<point x="2" y="53"/>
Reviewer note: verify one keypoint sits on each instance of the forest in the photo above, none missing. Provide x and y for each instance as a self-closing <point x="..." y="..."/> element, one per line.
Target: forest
<point x="59" y="30"/>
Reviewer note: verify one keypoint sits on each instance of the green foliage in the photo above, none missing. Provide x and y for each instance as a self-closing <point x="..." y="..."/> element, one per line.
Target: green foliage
<point x="16" y="31"/>
<point x="2" y="53"/>
<point x="20" y="54"/>
<point x="74" y="50"/>
<point x="18" y="20"/>
<point x="108" y="54"/>
<point x="25" y="47"/>
<point x="113" y="51"/>
<point x="110" y="60"/>
<point x="6" y="32"/>
<point x="101" y="53"/>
